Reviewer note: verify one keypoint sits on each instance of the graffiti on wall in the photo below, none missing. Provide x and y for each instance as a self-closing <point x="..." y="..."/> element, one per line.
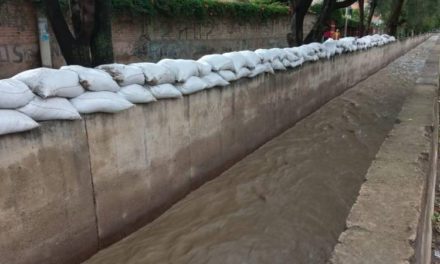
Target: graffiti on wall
<point x="17" y="53"/>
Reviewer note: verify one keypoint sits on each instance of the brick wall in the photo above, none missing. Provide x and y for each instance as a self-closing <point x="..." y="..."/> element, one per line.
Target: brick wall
<point x="139" y="38"/>
<point x="18" y="38"/>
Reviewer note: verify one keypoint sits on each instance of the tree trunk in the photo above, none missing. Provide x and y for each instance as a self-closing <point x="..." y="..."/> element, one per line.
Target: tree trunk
<point x="393" y="22"/>
<point x="361" y="18"/>
<point x="328" y="7"/>
<point x="299" y="9"/>
<point x="316" y="33"/>
<point x="75" y="50"/>
<point x="302" y="10"/>
<point x="101" y="44"/>
<point x="291" y="36"/>
<point x="80" y="55"/>
<point x="370" y="16"/>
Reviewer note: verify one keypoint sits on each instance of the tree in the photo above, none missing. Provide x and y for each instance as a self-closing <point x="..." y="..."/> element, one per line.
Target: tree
<point x="328" y="7"/>
<point x="361" y="18"/>
<point x="373" y="5"/>
<point x="298" y="10"/>
<point x="90" y="42"/>
<point x="393" y="21"/>
<point x="410" y="15"/>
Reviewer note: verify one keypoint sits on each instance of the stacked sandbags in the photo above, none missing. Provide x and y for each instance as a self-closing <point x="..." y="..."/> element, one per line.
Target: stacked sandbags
<point x="14" y="94"/>
<point x="53" y="89"/>
<point x="187" y="74"/>
<point x="48" y="94"/>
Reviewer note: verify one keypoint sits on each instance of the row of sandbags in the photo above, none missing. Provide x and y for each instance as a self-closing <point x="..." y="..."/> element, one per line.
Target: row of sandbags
<point x="64" y="94"/>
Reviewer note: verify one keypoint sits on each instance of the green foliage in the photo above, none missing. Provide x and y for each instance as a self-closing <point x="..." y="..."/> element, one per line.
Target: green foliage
<point x="202" y="9"/>
<point x="338" y="16"/>
<point x="417" y="15"/>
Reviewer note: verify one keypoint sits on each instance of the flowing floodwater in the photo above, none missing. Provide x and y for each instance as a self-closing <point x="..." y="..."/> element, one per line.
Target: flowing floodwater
<point x="287" y="202"/>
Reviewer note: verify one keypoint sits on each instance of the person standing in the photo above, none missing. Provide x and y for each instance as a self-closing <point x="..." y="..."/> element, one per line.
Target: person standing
<point x="337" y="35"/>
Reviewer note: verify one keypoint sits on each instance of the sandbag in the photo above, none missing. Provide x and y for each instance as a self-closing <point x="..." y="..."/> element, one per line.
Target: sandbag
<point x="204" y="68"/>
<point x="155" y="74"/>
<point x="262" y="68"/>
<point x="50" y="83"/>
<point x="165" y="91"/>
<point x="192" y="85"/>
<point x="259" y="69"/>
<point x="280" y="53"/>
<point x="93" y="79"/>
<point x="251" y="57"/>
<point x="268" y="68"/>
<point x="56" y="108"/>
<point x="94" y="102"/>
<point x="286" y="63"/>
<point x="218" y="62"/>
<point x="182" y="69"/>
<point x="137" y="94"/>
<point x="214" y="79"/>
<point x="239" y="60"/>
<point x="268" y="55"/>
<point x="278" y="65"/>
<point x="124" y="74"/>
<point x="244" y="72"/>
<point x="14" y="94"/>
<point x="290" y="55"/>
<point x="297" y="63"/>
<point x="12" y="121"/>
<point x="228" y="75"/>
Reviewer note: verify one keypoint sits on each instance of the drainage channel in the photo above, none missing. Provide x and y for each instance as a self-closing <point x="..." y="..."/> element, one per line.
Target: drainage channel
<point x="288" y="201"/>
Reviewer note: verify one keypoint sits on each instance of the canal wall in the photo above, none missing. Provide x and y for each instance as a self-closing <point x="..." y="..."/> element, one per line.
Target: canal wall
<point x="70" y="188"/>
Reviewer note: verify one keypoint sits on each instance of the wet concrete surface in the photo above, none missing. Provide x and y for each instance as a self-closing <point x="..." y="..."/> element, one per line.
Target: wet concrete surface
<point x="288" y="201"/>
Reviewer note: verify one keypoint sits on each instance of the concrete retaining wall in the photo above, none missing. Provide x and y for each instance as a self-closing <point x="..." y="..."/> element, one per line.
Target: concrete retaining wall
<point x="391" y="219"/>
<point x="69" y="188"/>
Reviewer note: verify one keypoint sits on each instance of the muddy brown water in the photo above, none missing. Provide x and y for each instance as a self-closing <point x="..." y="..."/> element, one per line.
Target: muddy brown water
<point x="287" y="202"/>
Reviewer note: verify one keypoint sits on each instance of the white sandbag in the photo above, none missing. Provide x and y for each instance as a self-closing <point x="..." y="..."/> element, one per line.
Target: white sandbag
<point x="290" y="55"/>
<point x="268" y="68"/>
<point x="297" y="63"/>
<point x="244" y="72"/>
<point x="265" y="55"/>
<point x="218" y="62"/>
<point x="124" y="74"/>
<point x="251" y="57"/>
<point x="259" y="69"/>
<point x="137" y="94"/>
<point x="49" y="82"/>
<point x="164" y="91"/>
<point x="14" y="94"/>
<point x="93" y="79"/>
<point x="182" y="69"/>
<point x="155" y="74"/>
<point x="278" y="65"/>
<point x="307" y="53"/>
<point x="204" y="68"/>
<point x="228" y="75"/>
<point x="94" y="102"/>
<point x="56" y="108"/>
<point x="214" y="79"/>
<point x="239" y="60"/>
<point x="192" y="85"/>
<point x="12" y="121"/>
<point x="286" y="63"/>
